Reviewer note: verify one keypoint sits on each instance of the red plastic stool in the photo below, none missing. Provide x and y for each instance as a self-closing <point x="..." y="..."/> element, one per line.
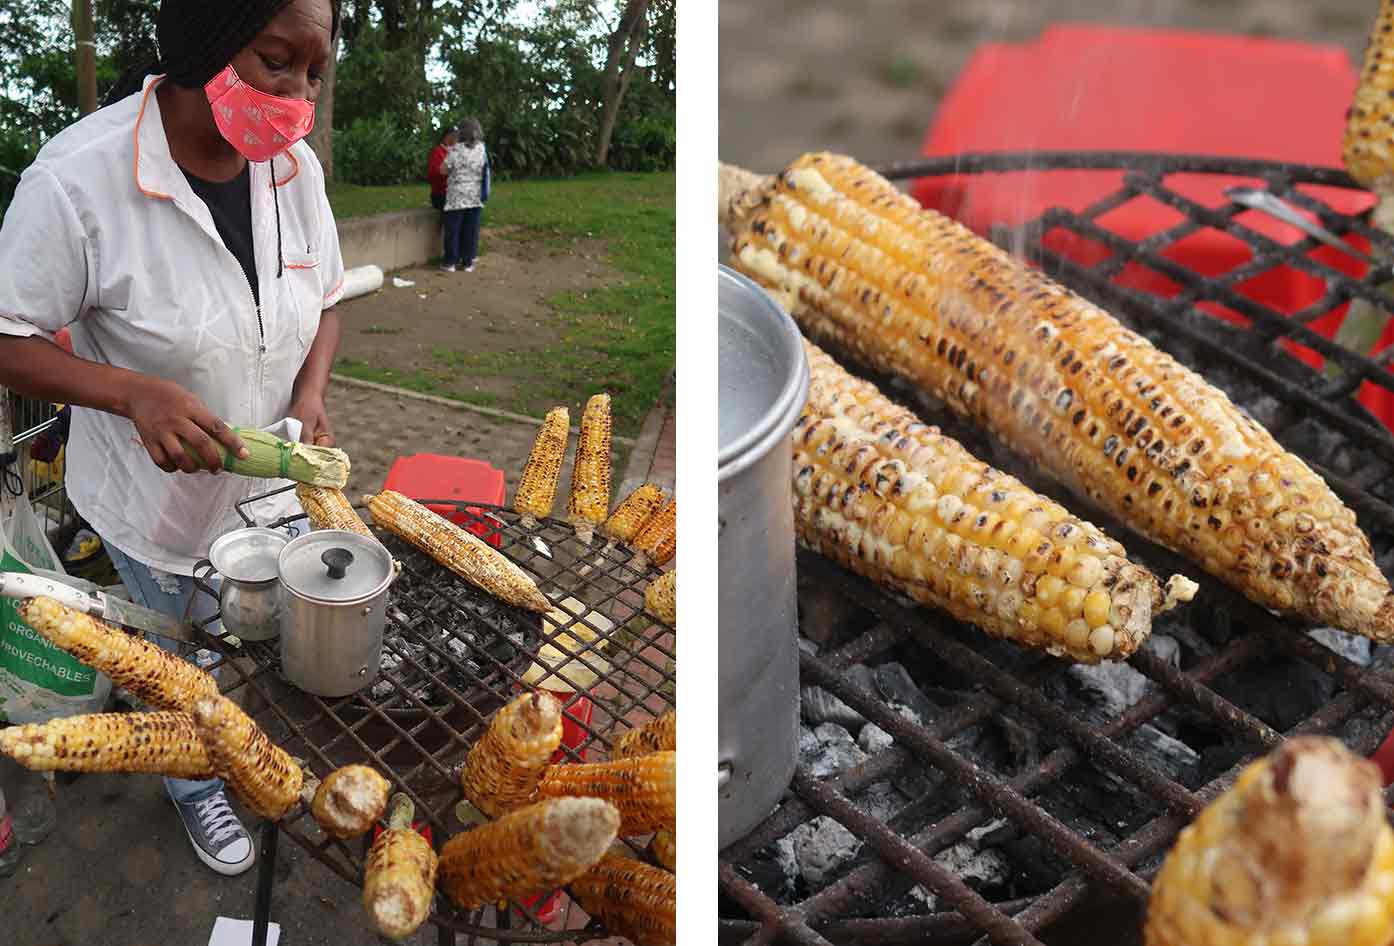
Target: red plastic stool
<point x="1088" y="88"/>
<point x="431" y="476"/>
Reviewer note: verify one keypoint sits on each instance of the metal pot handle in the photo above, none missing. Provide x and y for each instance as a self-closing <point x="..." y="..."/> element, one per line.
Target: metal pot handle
<point x="201" y="582"/>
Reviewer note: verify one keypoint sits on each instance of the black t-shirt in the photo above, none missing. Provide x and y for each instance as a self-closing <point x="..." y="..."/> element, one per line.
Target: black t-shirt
<point x="230" y="203"/>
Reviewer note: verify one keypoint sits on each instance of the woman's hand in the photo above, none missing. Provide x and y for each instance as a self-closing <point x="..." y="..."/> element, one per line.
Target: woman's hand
<point x="176" y="428"/>
<point x="314" y="419"/>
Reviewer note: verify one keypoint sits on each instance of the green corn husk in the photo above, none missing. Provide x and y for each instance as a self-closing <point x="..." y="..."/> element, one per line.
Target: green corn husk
<point x="274" y="458"/>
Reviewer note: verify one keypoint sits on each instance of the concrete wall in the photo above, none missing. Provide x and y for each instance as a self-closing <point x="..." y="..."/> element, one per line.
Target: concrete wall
<point x="392" y="241"/>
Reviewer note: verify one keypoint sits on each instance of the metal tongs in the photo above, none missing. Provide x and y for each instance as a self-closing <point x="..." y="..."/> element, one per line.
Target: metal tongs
<point x="1259" y="199"/>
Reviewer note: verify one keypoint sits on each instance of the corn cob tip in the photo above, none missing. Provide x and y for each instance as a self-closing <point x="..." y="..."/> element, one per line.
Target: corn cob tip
<point x="1179" y="590"/>
<point x="737" y="190"/>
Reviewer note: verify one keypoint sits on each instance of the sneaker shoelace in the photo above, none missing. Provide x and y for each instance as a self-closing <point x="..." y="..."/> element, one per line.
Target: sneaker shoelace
<point x="218" y="820"/>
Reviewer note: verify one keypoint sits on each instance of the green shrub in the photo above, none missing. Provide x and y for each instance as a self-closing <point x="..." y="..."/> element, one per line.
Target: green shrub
<point x="647" y="143"/>
<point x="17" y="151"/>
<point x="380" y="150"/>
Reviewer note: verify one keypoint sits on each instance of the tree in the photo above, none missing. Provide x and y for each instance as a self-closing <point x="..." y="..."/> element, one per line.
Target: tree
<point x="623" y="48"/>
<point x="322" y="137"/>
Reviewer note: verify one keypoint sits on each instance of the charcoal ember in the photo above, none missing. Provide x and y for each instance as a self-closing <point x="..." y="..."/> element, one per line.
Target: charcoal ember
<point x="836" y="751"/>
<point x="457" y="648"/>
<point x="1363" y="735"/>
<point x="1382" y="657"/>
<point x="826" y="615"/>
<point x="808" y="646"/>
<point x="880" y="800"/>
<point x="1265" y="409"/>
<point x="898" y="688"/>
<point x="980" y="867"/>
<point x="769" y="872"/>
<point x="817" y="705"/>
<point x="1110" y="687"/>
<point x="814" y="851"/>
<point x="1164" y="753"/>
<point x="873" y="739"/>
<point x="391" y="659"/>
<point x="397" y="616"/>
<point x="809" y="746"/>
<point x="1315" y="438"/>
<point x="1280" y="692"/>
<point x="382" y="689"/>
<point x="1350" y="646"/>
<point x="1021" y="742"/>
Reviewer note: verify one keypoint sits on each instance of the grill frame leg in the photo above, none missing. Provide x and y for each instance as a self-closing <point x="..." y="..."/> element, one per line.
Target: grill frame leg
<point x="266" y="878"/>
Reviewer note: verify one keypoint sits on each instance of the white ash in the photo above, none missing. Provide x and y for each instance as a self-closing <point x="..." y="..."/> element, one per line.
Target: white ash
<point x="1350" y="646"/>
<point x="817" y="705"/>
<point x="807" y="646"/>
<point x="873" y="739"/>
<point x="835" y="751"/>
<point x="1113" y="686"/>
<point x="815" y="850"/>
<point x="976" y="868"/>
<point x="398" y="616"/>
<point x="458" y="649"/>
<point x="382" y="689"/>
<point x="896" y="686"/>
<point x="880" y="800"/>
<point x="1160" y="751"/>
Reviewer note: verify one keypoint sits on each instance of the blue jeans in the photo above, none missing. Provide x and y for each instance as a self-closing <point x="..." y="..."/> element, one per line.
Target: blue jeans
<point x="462" y="236"/>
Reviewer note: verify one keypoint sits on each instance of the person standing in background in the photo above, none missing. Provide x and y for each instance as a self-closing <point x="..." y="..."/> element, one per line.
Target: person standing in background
<point x="467" y="170"/>
<point x="434" y="174"/>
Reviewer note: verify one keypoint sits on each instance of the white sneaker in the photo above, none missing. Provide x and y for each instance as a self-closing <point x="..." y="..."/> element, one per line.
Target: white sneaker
<point x="469" y="268"/>
<point x="217" y="835"/>
<point x="447" y="267"/>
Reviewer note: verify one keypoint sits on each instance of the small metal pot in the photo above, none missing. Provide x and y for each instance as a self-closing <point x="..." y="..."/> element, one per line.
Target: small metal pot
<point x="249" y="594"/>
<point x="763" y="383"/>
<point x="333" y="610"/>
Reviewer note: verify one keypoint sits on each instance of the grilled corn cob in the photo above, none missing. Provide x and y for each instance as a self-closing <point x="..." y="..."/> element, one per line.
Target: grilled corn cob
<point x="664" y="849"/>
<point x="915" y="294"/>
<point x="399" y="875"/>
<point x="633" y="900"/>
<point x="329" y="508"/>
<point x="152" y="675"/>
<point x="350" y="801"/>
<point x="264" y="776"/>
<point x="503" y="768"/>
<point x="537" y="489"/>
<point x="1368" y="149"/>
<point x="644" y="789"/>
<point x="638" y="507"/>
<point x="590" y="475"/>
<point x="1298" y="852"/>
<point x="657" y="735"/>
<point x="156" y="743"/>
<point x="479" y="563"/>
<point x="527" y="851"/>
<point x="657" y="541"/>
<point x="661" y="598"/>
<point x="898" y="502"/>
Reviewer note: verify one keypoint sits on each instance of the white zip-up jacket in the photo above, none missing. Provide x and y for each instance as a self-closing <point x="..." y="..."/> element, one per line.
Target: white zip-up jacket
<point x="105" y="236"/>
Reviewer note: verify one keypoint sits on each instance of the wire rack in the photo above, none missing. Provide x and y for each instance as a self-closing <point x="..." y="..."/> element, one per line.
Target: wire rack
<point x="452" y="656"/>
<point x="1226" y="692"/>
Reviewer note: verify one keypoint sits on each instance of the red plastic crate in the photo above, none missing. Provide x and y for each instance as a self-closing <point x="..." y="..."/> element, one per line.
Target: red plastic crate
<point x="431" y="476"/>
<point x="1091" y="88"/>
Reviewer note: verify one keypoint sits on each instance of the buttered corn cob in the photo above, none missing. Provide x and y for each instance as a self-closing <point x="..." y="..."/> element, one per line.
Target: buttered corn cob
<point x="900" y="503"/>
<point x="262" y="774"/>
<point x="1298" y="852"/>
<point x="657" y="735"/>
<point x="399" y="876"/>
<point x="1368" y="147"/>
<point x="572" y="659"/>
<point x="350" y="801"/>
<point x="537" y="488"/>
<point x="657" y="541"/>
<point x="477" y="562"/>
<point x="661" y="598"/>
<point x="153" y="675"/>
<point x="503" y="768"/>
<point x="328" y="508"/>
<point x="1061" y="381"/>
<point x="664" y="849"/>
<point x="629" y="517"/>
<point x="155" y="743"/>
<point x="528" y="851"/>
<point x="633" y="900"/>
<point x="644" y="789"/>
<point x="589" y="503"/>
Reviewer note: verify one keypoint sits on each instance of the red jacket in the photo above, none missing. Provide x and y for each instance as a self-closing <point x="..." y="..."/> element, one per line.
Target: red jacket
<point x="438" y="180"/>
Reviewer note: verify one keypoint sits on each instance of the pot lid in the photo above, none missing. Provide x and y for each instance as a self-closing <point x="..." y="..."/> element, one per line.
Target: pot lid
<point x="333" y="566"/>
<point x="248" y="555"/>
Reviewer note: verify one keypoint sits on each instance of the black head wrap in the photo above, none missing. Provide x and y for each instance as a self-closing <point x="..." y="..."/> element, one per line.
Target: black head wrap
<point x="198" y="38"/>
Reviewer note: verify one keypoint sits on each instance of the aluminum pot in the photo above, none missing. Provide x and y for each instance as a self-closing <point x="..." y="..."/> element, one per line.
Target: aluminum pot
<point x="333" y="610"/>
<point x="249" y="593"/>
<point x="763" y="384"/>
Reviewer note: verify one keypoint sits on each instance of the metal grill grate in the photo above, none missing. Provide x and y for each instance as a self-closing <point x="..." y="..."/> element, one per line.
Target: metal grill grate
<point x="454" y="655"/>
<point x="998" y="754"/>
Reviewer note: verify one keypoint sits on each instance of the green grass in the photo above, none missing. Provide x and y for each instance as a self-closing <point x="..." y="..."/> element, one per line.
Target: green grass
<point x="353" y="200"/>
<point x="620" y="338"/>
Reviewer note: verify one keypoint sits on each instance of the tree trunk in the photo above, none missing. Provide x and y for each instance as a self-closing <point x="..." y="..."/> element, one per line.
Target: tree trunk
<point x="85" y="31"/>
<point x="620" y="53"/>
<point x="322" y="136"/>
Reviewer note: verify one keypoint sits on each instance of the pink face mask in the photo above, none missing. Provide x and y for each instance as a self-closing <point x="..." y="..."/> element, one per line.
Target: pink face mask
<point x="258" y="125"/>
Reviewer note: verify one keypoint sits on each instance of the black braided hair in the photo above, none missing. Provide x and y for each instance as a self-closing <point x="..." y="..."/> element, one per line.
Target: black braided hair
<point x="198" y="38"/>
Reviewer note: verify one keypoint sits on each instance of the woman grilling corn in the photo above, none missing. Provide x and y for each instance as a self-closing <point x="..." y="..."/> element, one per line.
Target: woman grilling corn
<point x="182" y="233"/>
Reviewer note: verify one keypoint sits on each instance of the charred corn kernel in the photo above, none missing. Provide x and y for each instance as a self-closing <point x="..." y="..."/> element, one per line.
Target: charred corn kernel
<point x="914" y="294"/>
<point x="657" y="735"/>
<point x="399" y="875"/>
<point x="503" y="768"/>
<point x="262" y="774"/>
<point x="528" y="851"/>
<point x="328" y="508"/>
<point x="633" y="900"/>
<point x="644" y="788"/>
<point x="661" y="598"/>
<point x="1366" y="150"/>
<point x="860" y="461"/>
<point x="477" y="562"/>
<point x="665" y="849"/>
<point x="537" y="488"/>
<point x="1297" y="853"/>
<point x="151" y="674"/>
<point x="657" y="542"/>
<point x="637" y="509"/>
<point x="350" y="801"/>
<point x="156" y="743"/>
<point x="589" y="502"/>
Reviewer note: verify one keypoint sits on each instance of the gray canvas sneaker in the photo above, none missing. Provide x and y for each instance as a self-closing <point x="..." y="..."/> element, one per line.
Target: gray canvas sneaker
<point x="217" y="835"/>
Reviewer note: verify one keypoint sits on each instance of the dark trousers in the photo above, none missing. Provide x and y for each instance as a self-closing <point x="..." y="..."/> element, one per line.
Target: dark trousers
<point x="462" y="235"/>
<point x="438" y="201"/>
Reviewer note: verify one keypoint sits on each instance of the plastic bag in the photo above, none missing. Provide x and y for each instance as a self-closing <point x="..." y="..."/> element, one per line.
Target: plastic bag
<point x="38" y="681"/>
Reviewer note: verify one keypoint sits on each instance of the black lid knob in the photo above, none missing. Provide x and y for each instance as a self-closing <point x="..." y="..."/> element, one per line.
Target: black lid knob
<point x="338" y="561"/>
